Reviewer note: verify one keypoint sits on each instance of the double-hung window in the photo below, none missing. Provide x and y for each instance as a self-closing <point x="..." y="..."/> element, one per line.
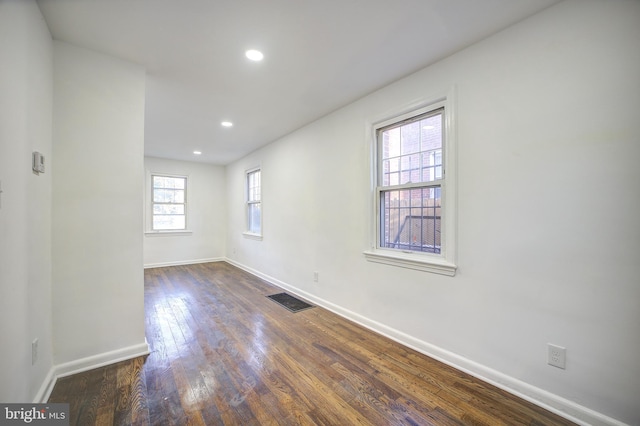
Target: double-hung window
<point x="414" y="217"/>
<point x="254" y="202"/>
<point x="169" y="203"/>
<point x="410" y="183"/>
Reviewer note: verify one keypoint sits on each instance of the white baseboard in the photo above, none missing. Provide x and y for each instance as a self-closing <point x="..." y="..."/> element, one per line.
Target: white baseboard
<point x="551" y="402"/>
<point x="183" y="262"/>
<point x="100" y="360"/>
<point x="86" y="364"/>
<point x="47" y="386"/>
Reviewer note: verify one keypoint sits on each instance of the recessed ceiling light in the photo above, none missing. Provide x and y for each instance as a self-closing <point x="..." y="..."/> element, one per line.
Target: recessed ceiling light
<point x="254" y="55"/>
<point x="197" y="152"/>
<point x="226" y="124"/>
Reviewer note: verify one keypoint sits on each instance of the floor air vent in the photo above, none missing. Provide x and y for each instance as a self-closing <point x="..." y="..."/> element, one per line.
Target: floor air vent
<point x="291" y="303"/>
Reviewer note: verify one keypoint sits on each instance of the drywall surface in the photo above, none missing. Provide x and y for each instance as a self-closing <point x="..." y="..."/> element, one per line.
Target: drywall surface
<point x="25" y="202"/>
<point x="98" y="141"/>
<point x="206" y="215"/>
<point x="548" y="237"/>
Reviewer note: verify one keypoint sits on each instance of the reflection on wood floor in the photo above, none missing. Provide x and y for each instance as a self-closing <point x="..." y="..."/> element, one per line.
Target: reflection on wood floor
<point x="224" y="354"/>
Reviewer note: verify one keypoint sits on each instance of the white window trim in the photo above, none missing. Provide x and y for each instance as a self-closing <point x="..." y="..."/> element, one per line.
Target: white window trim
<point x="252" y="235"/>
<point x="149" y="231"/>
<point x="445" y="262"/>
<point x="248" y="234"/>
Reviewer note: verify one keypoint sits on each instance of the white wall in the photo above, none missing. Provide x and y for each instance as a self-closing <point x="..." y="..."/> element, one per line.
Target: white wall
<point x="206" y="215"/>
<point x="548" y="197"/>
<point x="98" y="289"/>
<point x="25" y="203"/>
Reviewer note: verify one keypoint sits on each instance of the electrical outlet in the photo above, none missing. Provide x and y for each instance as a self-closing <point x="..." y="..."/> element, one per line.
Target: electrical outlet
<point x="556" y="356"/>
<point x="34" y="351"/>
<point x="316" y="276"/>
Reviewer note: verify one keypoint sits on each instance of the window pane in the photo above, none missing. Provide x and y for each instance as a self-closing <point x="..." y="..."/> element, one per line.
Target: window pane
<point x="391" y="143"/>
<point x="410" y="142"/>
<point x="391" y="172"/>
<point x="413" y="149"/>
<point x="168" y="209"/>
<point x="431" y="135"/>
<point x="168" y="196"/>
<point x="179" y="183"/>
<point x="253" y="186"/>
<point x="168" y="222"/>
<point x="431" y="165"/>
<point x="254" y="218"/>
<point x="411" y="219"/>
<point x="178" y="196"/>
<point x="169" y="182"/>
<point x="410" y="166"/>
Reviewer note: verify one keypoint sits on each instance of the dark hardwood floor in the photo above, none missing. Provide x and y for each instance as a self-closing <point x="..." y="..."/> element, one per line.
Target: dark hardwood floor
<point x="224" y="354"/>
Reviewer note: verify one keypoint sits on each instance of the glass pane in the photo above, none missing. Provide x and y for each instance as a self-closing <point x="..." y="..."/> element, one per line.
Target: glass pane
<point x="254" y="218"/>
<point x="431" y="128"/>
<point x="169" y="182"/>
<point x="431" y="165"/>
<point x="391" y="172"/>
<point x="410" y="138"/>
<point x="178" y="196"/>
<point x="391" y="143"/>
<point x="410" y="165"/>
<point x="168" y="222"/>
<point x="179" y="183"/>
<point x="168" y="209"/>
<point x="411" y="219"/>
<point x="414" y="149"/>
<point x="159" y="196"/>
<point x="168" y="196"/>
<point x="253" y="186"/>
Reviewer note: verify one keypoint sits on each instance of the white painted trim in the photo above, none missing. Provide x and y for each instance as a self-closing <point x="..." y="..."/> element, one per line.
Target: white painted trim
<point x="416" y="261"/>
<point x="184" y="262"/>
<point x="445" y="262"/>
<point x="100" y="360"/>
<point x="148" y="204"/>
<point x="169" y="233"/>
<point x="252" y="236"/>
<point x="551" y="402"/>
<point x="47" y="387"/>
<point x="86" y="364"/>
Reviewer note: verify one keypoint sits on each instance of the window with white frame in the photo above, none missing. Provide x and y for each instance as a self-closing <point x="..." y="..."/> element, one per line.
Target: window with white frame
<point x="169" y="203"/>
<point x="414" y="203"/>
<point x="254" y="202"/>
<point x="410" y="183"/>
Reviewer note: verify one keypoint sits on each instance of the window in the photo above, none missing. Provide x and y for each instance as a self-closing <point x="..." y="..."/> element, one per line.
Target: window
<point x="169" y="203"/>
<point x="254" y="203"/>
<point x="410" y="183"/>
<point x="414" y="205"/>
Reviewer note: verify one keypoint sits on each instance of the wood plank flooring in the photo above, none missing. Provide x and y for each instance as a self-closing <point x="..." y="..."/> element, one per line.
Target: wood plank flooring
<point x="222" y="353"/>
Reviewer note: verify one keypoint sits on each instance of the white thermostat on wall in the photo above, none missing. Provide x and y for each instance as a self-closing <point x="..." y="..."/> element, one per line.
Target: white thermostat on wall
<point x="37" y="162"/>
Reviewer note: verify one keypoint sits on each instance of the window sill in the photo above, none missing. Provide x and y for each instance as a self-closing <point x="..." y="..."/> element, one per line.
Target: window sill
<point x="182" y="232"/>
<point x="412" y="261"/>
<point x="252" y="236"/>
